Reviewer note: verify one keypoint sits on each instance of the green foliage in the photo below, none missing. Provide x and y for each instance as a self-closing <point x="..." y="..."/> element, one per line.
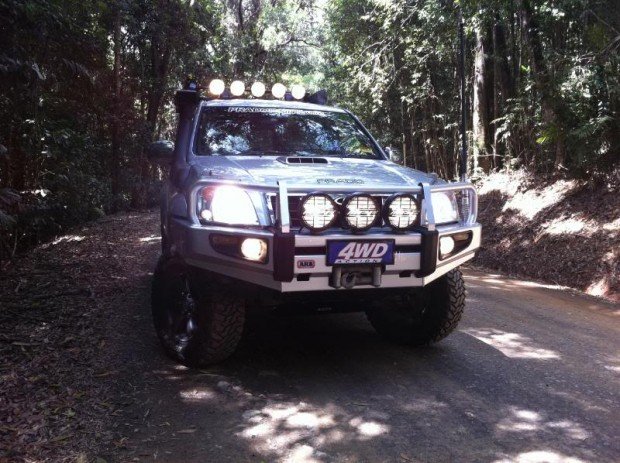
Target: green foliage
<point x="395" y="63"/>
<point x="73" y="126"/>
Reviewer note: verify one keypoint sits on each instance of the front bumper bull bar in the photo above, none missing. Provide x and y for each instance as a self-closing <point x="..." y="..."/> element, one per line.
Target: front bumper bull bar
<point x="417" y="256"/>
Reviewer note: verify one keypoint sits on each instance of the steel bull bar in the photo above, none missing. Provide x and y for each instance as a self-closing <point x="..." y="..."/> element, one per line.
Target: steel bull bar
<point x="284" y="239"/>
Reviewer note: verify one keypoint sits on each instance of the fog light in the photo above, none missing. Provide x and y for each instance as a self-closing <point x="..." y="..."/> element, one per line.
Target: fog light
<point x="446" y="245"/>
<point x="254" y="249"/>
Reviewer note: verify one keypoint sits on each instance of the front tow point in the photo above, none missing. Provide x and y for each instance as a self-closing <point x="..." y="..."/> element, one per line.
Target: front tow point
<point x="350" y="277"/>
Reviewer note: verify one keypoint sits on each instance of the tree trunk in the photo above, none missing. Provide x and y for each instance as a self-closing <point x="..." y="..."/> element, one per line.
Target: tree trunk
<point x="115" y="167"/>
<point x="544" y="85"/>
<point x="481" y="101"/>
<point x="161" y="53"/>
<point x="504" y="81"/>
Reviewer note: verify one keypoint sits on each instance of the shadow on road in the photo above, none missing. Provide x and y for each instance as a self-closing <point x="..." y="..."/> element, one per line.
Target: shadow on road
<point x="327" y="388"/>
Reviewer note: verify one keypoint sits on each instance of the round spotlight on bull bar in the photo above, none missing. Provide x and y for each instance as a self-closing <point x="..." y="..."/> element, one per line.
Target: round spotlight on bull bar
<point x="401" y="211"/>
<point x="360" y="211"/>
<point x="318" y="211"/>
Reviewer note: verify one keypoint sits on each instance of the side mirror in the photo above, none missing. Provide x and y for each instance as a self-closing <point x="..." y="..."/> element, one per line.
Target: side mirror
<point x="393" y="155"/>
<point x="160" y="152"/>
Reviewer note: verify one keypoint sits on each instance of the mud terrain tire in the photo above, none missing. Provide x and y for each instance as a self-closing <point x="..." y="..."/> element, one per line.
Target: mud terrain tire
<point x="197" y="324"/>
<point x="421" y="316"/>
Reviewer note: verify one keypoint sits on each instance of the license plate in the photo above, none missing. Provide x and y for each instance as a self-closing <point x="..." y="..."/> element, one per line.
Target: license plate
<point x="360" y="252"/>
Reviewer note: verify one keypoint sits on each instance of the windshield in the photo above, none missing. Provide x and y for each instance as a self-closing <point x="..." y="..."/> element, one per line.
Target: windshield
<point x="281" y="131"/>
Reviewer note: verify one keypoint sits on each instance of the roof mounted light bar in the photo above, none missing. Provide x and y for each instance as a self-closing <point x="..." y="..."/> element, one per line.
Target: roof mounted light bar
<point x="217" y="89"/>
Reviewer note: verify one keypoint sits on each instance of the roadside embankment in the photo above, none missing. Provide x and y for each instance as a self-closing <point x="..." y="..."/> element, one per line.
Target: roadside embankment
<point x="565" y="232"/>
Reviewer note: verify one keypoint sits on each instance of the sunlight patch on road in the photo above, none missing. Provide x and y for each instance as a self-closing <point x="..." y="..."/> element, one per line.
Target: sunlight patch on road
<point x="521" y="420"/>
<point x="298" y="431"/>
<point x="512" y="345"/>
<point x="197" y="394"/>
<point x="368" y="428"/>
<point x="150" y="239"/>
<point x="611" y="364"/>
<point x="424" y="405"/>
<point x="540" y="456"/>
<point x="68" y="239"/>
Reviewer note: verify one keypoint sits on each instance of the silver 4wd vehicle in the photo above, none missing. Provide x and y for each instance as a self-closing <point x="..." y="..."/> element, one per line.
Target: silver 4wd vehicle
<point x="277" y="202"/>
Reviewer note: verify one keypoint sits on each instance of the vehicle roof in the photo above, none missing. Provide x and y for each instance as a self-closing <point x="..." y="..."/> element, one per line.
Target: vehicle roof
<point x="280" y="104"/>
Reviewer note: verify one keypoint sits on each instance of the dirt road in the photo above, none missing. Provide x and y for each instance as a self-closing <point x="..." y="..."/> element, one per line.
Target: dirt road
<point x="532" y="375"/>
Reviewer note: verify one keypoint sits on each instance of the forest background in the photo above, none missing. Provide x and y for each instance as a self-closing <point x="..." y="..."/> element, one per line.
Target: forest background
<point x="86" y="85"/>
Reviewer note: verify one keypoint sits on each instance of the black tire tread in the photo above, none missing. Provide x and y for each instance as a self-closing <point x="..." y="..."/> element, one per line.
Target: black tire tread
<point x="445" y="305"/>
<point x="221" y="317"/>
<point x="457" y="294"/>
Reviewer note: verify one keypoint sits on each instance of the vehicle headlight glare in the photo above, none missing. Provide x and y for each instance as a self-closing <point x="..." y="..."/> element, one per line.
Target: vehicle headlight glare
<point x="401" y="211"/>
<point x="227" y="204"/>
<point x="217" y="87"/>
<point x="318" y="211"/>
<point x="237" y="88"/>
<point x="278" y="90"/>
<point x="298" y="91"/>
<point x="257" y="89"/>
<point x="360" y="211"/>
<point x="444" y="207"/>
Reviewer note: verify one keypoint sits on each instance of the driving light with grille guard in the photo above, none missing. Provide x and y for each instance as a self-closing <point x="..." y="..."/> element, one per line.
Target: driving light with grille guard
<point x="318" y="211"/>
<point x="217" y="87"/>
<point x="237" y="88"/>
<point x="257" y="89"/>
<point x="360" y="211"/>
<point x="278" y="90"/>
<point x="226" y="204"/>
<point x="402" y="211"/>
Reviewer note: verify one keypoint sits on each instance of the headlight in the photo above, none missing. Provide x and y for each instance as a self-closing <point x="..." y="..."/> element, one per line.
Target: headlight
<point x="402" y="211"/>
<point x="360" y="211"/>
<point x="226" y="204"/>
<point x="444" y="207"/>
<point x="318" y="211"/>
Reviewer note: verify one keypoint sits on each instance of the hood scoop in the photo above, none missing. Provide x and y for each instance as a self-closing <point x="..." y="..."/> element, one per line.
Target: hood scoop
<point x="302" y="160"/>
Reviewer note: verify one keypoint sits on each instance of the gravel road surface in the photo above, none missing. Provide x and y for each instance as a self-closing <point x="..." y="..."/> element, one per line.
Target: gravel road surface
<point x="532" y="375"/>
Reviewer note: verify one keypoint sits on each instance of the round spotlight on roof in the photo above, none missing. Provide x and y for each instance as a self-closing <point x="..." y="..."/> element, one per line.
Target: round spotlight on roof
<point x="318" y="211"/>
<point x="258" y="89"/>
<point x="360" y="211"/>
<point x="237" y="88"/>
<point x="298" y="91"/>
<point x="278" y="90"/>
<point x="217" y="87"/>
<point x="401" y="211"/>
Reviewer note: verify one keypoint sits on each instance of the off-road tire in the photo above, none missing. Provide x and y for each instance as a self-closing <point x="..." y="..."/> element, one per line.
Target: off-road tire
<point x="421" y="316"/>
<point x="218" y="314"/>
